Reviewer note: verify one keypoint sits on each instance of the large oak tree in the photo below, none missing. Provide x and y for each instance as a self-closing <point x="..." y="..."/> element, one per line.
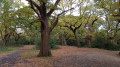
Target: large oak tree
<point x="44" y="13"/>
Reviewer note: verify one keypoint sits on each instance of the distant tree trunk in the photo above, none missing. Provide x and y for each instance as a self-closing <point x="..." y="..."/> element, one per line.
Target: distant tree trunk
<point x="16" y="37"/>
<point x="77" y="40"/>
<point x="88" y="39"/>
<point x="5" y="38"/>
<point x="16" y="42"/>
<point x="63" y="39"/>
<point x="4" y="43"/>
<point x="74" y="30"/>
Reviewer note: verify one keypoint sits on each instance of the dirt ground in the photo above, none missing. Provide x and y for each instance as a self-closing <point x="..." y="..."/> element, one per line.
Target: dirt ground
<point x="66" y="56"/>
<point x="86" y="57"/>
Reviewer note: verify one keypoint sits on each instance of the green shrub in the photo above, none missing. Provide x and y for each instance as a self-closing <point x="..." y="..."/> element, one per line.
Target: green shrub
<point x="23" y="41"/>
<point x="8" y="50"/>
<point x="71" y="42"/>
<point x="11" y="43"/>
<point x="53" y="43"/>
<point x="101" y="41"/>
<point x="111" y="45"/>
<point x="37" y="42"/>
<point x="82" y="42"/>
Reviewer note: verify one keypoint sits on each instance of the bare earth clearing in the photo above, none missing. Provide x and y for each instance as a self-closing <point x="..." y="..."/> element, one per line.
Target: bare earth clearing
<point x="67" y="56"/>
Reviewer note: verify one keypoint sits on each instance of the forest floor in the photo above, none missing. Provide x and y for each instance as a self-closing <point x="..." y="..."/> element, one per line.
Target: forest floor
<point x="66" y="56"/>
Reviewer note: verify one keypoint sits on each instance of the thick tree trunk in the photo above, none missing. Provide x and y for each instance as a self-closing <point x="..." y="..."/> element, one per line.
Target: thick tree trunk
<point x="77" y="40"/>
<point x="44" y="46"/>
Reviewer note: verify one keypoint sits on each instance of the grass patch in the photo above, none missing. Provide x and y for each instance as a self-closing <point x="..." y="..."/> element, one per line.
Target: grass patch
<point x="8" y="50"/>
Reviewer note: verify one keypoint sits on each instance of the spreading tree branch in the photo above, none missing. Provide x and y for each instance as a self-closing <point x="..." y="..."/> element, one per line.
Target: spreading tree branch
<point x="53" y="8"/>
<point x="32" y="3"/>
<point x="94" y="21"/>
<point x="56" y="21"/>
<point x="78" y="27"/>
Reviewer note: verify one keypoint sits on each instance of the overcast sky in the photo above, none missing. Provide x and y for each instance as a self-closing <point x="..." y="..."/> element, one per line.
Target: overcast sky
<point x="26" y="3"/>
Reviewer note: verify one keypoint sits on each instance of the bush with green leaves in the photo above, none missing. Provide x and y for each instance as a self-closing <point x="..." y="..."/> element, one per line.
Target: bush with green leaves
<point x="22" y="41"/>
<point x="53" y="43"/>
<point x="101" y="40"/>
<point x="37" y="42"/>
<point x="72" y="42"/>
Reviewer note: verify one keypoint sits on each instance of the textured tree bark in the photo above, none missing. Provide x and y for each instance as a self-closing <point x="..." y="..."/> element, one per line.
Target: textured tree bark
<point x="44" y="46"/>
<point x="5" y="39"/>
<point x="77" y="40"/>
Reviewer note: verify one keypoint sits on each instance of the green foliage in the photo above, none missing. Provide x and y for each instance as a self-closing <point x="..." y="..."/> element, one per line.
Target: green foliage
<point x="7" y="50"/>
<point x="37" y="42"/>
<point x="22" y="41"/>
<point x="82" y="42"/>
<point x="111" y="45"/>
<point x="71" y="42"/>
<point x="101" y="40"/>
<point x="53" y="43"/>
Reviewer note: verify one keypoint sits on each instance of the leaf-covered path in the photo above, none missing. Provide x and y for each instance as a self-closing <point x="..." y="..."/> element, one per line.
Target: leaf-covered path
<point x="11" y="59"/>
<point x="66" y="56"/>
<point x="87" y="57"/>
